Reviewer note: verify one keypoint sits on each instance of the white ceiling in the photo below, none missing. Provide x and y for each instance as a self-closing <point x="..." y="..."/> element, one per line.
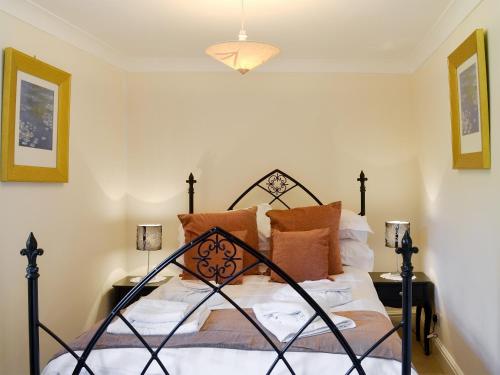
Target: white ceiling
<point x="343" y="35"/>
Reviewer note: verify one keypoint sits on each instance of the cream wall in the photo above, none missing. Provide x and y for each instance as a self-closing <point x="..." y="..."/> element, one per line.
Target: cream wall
<point x="460" y="208"/>
<point x="81" y="225"/>
<point x="230" y="130"/>
<point x="136" y="136"/>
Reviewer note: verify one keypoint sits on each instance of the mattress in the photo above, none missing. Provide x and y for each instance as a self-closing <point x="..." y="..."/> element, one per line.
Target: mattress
<point x="189" y="361"/>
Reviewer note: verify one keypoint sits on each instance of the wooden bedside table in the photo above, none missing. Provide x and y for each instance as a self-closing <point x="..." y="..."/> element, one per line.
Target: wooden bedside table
<point x="124" y="285"/>
<point x="389" y="292"/>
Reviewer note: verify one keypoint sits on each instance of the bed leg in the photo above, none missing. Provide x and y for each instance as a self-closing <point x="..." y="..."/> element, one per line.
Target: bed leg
<point x="407" y="250"/>
<point x="31" y="252"/>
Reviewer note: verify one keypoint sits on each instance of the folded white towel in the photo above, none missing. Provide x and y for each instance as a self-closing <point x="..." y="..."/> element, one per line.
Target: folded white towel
<point x="285" y="319"/>
<point x="190" y="292"/>
<point x="191" y="325"/>
<point x="197" y="285"/>
<point x="331" y="293"/>
<point x="148" y="310"/>
<point x="324" y="285"/>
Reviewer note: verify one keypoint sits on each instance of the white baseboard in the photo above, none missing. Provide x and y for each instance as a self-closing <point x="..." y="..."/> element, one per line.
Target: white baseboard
<point x="446" y="358"/>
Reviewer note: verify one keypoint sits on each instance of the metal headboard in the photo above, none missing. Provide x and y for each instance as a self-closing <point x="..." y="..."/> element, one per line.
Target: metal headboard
<point x="277" y="183"/>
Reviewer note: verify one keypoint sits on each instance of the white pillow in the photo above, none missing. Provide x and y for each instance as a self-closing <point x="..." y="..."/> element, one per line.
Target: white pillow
<point x="357" y="254"/>
<point x="353" y="226"/>
<point x="263" y="228"/>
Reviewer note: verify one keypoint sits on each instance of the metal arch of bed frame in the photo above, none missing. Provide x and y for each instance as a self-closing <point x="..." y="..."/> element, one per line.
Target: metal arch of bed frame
<point x="277" y="183"/>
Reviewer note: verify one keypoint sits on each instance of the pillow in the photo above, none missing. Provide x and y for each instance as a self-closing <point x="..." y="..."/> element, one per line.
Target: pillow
<point x="238" y="220"/>
<point x="308" y="218"/>
<point x="302" y="255"/>
<point x="193" y="259"/>
<point x="357" y="254"/>
<point x="264" y="227"/>
<point x="353" y="226"/>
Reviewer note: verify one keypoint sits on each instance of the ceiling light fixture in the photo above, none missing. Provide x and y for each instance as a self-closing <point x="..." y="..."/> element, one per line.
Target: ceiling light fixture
<point x="242" y="55"/>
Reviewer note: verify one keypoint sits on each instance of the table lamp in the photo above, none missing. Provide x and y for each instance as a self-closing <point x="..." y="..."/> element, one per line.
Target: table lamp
<point x="394" y="232"/>
<point x="148" y="239"/>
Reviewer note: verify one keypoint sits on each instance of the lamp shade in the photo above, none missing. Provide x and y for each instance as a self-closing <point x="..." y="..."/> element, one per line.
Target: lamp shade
<point x="242" y="55"/>
<point x="149" y="237"/>
<point x="394" y="232"/>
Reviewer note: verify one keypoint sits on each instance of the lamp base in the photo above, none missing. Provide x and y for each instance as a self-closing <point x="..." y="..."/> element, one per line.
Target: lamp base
<point x="155" y="279"/>
<point x="394" y="276"/>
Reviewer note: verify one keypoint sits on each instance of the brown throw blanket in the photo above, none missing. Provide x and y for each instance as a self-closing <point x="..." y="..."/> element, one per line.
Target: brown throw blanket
<point x="228" y="329"/>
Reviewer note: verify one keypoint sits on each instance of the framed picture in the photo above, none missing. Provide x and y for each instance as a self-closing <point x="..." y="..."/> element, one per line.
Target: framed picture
<point x="470" y="126"/>
<point x="35" y="120"/>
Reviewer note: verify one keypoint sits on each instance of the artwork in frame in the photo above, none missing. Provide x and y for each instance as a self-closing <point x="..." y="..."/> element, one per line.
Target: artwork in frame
<point x="469" y="104"/>
<point x="35" y="120"/>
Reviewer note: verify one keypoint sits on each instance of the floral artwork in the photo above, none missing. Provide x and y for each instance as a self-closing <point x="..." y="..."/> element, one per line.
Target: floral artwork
<point x="36" y="116"/>
<point x="35" y="120"/>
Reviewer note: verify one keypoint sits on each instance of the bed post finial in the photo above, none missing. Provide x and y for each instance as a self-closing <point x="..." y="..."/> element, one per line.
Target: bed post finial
<point x="362" y="188"/>
<point x="191" y="181"/>
<point x="32" y="252"/>
<point x="407" y="250"/>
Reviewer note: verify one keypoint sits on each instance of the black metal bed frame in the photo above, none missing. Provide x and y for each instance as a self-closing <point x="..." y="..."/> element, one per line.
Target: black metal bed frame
<point x="277" y="184"/>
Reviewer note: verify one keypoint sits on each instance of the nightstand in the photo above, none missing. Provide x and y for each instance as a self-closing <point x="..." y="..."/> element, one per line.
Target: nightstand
<point x="389" y="292"/>
<point x="123" y="286"/>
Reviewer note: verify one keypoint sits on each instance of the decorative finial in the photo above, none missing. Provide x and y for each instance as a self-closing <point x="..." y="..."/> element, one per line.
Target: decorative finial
<point x="362" y="177"/>
<point x="407" y="245"/>
<point x="31" y="252"/>
<point x="407" y="250"/>
<point x="191" y="179"/>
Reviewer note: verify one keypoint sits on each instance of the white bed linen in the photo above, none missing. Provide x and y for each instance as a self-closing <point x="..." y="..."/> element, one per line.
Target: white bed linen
<point x="190" y="361"/>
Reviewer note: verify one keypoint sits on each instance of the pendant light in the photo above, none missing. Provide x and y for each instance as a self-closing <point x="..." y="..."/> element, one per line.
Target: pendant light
<point x="242" y="55"/>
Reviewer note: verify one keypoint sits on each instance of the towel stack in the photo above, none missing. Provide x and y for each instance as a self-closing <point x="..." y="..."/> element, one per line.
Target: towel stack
<point x="158" y="317"/>
<point x="289" y="312"/>
<point x="326" y="292"/>
<point x="285" y="319"/>
<point x="187" y="291"/>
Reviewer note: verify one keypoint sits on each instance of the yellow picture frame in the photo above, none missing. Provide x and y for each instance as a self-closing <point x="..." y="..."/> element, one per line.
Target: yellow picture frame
<point x="35" y="120"/>
<point x="470" y="126"/>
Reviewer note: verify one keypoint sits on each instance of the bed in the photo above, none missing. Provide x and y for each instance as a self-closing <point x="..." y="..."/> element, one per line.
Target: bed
<point x="231" y="339"/>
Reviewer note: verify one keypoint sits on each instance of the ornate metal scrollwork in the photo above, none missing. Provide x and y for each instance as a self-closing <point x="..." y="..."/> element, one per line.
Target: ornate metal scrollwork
<point x="217" y="258"/>
<point x="277" y="184"/>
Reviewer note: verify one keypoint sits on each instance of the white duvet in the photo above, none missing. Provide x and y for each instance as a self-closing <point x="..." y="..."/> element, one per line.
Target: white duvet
<point x="191" y="361"/>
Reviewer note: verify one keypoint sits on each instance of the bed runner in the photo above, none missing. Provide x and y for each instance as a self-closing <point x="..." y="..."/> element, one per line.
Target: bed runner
<point x="228" y="329"/>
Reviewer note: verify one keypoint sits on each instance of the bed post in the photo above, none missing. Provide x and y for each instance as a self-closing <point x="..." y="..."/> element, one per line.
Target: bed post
<point x="407" y="250"/>
<point x="362" y="188"/>
<point x="31" y="252"/>
<point x="191" y="181"/>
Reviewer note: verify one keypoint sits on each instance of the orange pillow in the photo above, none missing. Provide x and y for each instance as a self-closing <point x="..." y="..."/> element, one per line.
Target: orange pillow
<point x="308" y="218"/>
<point x="302" y="255"/>
<point x="216" y="262"/>
<point x="231" y="221"/>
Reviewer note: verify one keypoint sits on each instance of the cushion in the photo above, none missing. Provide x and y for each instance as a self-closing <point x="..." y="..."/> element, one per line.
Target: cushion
<point x="225" y="257"/>
<point x="308" y="218"/>
<point x="238" y="220"/>
<point x="357" y="254"/>
<point x="263" y="229"/>
<point x="302" y="255"/>
<point x="353" y="226"/>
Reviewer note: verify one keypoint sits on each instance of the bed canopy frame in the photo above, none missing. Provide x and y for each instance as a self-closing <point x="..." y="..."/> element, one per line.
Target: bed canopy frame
<point x="277" y="184"/>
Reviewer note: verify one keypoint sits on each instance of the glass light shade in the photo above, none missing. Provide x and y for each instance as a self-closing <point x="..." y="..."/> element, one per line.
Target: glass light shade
<point x="242" y="55"/>
<point x="394" y="232"/>
<point x="149" y="237"/>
